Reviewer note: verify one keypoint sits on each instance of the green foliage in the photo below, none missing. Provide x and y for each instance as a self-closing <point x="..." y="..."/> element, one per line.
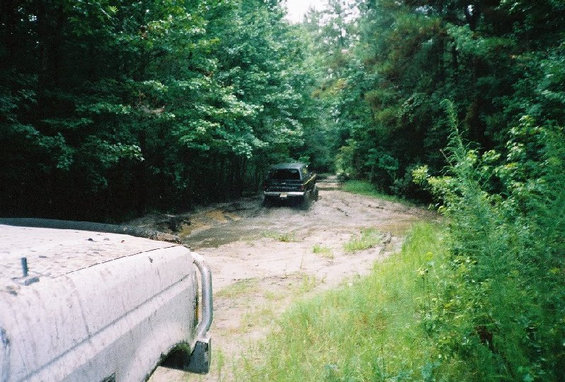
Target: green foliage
<point x="366" y="188"/>
<point x="383" y="85"/>
<point x="503" y="301"/>
<point x="113" y="108"/>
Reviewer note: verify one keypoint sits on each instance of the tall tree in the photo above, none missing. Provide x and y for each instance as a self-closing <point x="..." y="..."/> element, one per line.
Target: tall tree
<point x="116" y="107"/>
<point x="485" y="56"/>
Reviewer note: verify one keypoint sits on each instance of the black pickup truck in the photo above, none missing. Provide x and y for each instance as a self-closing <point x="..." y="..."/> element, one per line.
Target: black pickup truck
<point x="290" y="181"/>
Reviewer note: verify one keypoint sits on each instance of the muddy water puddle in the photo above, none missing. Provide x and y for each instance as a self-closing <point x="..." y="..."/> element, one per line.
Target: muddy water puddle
<point x="335" y="210"/>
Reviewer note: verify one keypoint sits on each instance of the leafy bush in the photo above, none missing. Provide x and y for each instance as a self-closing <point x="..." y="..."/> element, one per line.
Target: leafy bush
<point x="503" y="304"/>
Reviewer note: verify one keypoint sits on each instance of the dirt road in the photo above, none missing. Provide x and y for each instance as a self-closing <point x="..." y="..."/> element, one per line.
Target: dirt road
<point x="262" y="259"/>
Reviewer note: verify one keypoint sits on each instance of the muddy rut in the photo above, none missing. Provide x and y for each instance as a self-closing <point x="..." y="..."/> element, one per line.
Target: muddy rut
<point x="262" y="259"/>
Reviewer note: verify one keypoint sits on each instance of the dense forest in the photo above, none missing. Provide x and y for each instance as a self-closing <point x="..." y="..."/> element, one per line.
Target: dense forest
<point x="110" y="109"/>
<point x="114" y="108"/>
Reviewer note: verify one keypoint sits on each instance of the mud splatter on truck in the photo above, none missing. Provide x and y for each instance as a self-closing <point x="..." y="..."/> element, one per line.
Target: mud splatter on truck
<point x="81" y="305"/>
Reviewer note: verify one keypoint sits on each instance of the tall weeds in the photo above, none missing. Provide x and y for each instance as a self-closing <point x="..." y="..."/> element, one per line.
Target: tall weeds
<point x="502" y="309"/>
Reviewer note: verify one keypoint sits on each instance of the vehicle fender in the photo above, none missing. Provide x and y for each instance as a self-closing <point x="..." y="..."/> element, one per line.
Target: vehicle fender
<point x="63" y="330"/>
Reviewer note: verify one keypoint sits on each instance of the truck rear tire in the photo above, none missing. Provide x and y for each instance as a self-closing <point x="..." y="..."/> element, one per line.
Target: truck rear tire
<point x="267" y="201"/>
<point x="305" y="202"/>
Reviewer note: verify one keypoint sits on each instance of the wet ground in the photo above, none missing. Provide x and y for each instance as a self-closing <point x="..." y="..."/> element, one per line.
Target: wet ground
<point x="262" y="259"/>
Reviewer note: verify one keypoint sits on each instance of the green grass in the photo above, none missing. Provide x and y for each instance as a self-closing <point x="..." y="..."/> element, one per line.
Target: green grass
<point x="285" y="237"/>
<point x="365" y="188"/>
<point x="325" y="252"/>
<point x="305" y="284"/>
<point x="369" y="330"/>
<point x="367" y="238"/>
<point x="239" y="288"/>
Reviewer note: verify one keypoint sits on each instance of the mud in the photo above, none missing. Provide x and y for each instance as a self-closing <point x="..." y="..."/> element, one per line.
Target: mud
<point x="263" y="259"/>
